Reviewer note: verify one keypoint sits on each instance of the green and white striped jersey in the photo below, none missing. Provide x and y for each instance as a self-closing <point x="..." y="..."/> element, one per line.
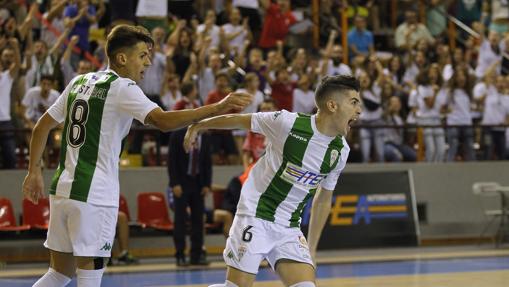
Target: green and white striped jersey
<point x="298" y="159"/>
<point x="97" y="110"/>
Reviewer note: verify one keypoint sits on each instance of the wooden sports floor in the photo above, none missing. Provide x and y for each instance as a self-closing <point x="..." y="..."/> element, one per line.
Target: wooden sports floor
<point x="402" y="267"/>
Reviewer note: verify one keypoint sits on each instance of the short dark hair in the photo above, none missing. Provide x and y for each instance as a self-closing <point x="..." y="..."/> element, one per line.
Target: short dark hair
<point x="48" y="77"/>
<point x="334" y="84"/>
<point x="187" y="87"/>
<point x="126" y="36"/>
<point x="222" y="74"/>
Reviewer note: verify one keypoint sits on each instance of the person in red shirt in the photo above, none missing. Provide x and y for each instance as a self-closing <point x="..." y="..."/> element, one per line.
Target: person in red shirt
<point x="278" y="19"/>
<point x="189" y="98"/>
<point x="254" y="145"/>
<point x="224" y="150"/>
<point x="282" y="89"/>
<point x="221" y="91"/>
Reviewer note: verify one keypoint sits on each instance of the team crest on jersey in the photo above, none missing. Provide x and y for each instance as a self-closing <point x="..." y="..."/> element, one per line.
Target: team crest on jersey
<point x="333" y="157"/>
<point x="296" y="175"/>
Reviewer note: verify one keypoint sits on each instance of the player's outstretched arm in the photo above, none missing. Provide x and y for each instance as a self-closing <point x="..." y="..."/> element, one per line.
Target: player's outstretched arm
<point x="33" y="185"/>
<point x="319" y="213"/>
<point x="224" y="122"/>
<point x="172" y="120"/>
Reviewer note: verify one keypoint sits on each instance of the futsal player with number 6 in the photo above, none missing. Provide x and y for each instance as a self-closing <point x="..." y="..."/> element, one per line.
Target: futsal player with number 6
<point x="304" y="157"/>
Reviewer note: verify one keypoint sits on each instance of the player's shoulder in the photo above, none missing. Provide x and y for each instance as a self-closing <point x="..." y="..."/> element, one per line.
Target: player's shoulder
<point x="123" y="84"/>
<point x="284" y="114"/>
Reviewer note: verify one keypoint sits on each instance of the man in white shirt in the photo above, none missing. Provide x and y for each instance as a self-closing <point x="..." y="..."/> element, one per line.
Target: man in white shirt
<point x="409" y="33"/>
<point x="10" y="63"/>
<point x="38" y="99"/>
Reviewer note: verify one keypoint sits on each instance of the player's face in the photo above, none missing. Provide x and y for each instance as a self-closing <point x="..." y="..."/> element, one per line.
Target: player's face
<point x="138" y="60"/>
<point x="347" y="111"/>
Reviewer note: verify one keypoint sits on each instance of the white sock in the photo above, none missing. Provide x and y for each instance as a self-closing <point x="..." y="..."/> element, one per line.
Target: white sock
<point x="52" y="278"/>
<point x="304" y="284"/>
<point x="89" y="278"/>
<point x="226" y="284"/>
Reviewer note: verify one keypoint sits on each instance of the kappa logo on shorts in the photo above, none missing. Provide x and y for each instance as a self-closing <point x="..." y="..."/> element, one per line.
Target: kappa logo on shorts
<point x="231" y="255"/>
<point x="106" y="247"/>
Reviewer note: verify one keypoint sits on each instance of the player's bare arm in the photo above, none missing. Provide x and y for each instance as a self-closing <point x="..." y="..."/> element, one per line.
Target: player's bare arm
<point x="33" y="185"/>
<point x="319" y="214"/>
<point x="224" y="122"/>
<point x="172" y="120"/>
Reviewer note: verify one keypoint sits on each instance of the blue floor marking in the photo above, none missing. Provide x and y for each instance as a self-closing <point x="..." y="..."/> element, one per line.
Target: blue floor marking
<point x="366" y="269"/>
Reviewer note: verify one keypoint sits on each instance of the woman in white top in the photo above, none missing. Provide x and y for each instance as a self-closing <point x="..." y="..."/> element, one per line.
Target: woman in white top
<point x="303" y="96"/>
<point x="490" y="94"/>
<point x="371" y="116"/>
<point x="251" y="86"/>
<point x="209" y="29"/>
<point x="430" y="99"/>
<point x="170" y="92"/>
<point x="236" y="32"/>
<point x="457" y="106"/>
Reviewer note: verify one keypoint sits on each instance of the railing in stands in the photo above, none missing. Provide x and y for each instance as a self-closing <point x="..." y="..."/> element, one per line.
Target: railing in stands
<point x="156" y="154"/>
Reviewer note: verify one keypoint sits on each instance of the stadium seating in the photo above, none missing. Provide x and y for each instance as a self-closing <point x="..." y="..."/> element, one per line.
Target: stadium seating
<point x="36" y="215"/>
<point x="7" y="219"/>
<point x="153" y="211"/>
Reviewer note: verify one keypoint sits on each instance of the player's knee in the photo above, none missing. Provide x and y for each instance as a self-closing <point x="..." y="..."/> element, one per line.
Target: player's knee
<point x="226" y="284"/>
<point x="304" y="284"/>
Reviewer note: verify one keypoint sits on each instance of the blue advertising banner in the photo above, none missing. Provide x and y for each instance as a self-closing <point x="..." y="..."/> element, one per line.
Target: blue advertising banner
<point x="370" y="210"/>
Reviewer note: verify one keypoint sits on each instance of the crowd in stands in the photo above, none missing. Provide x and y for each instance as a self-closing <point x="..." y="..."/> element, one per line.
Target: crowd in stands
<point x="204" y="51"/>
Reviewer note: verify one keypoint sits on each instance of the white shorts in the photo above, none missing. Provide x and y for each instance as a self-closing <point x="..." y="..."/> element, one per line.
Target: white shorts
<point x="251" y="240"/>
<point x="81" y="228"/>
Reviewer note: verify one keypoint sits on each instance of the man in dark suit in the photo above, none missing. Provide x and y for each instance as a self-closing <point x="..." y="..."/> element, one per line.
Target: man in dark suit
<point x="190" y="180"/>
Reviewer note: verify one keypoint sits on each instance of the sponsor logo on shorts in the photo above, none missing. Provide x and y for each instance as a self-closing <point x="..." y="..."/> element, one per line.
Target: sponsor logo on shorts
<point x="296" y="175"/>
<point x="242" y="250"/>
<point x="106" y="247"/>
<point x="302" y="240"/>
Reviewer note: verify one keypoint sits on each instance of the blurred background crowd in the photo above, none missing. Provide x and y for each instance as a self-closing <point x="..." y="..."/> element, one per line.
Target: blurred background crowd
<point x="433" y="73"/>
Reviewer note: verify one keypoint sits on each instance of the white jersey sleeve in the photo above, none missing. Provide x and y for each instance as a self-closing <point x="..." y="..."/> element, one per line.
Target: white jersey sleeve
<point x="58" y="110"/>
<point x="329" y="183"/>
<point x="273" y="125"/>
<point x="133" y="101"/>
